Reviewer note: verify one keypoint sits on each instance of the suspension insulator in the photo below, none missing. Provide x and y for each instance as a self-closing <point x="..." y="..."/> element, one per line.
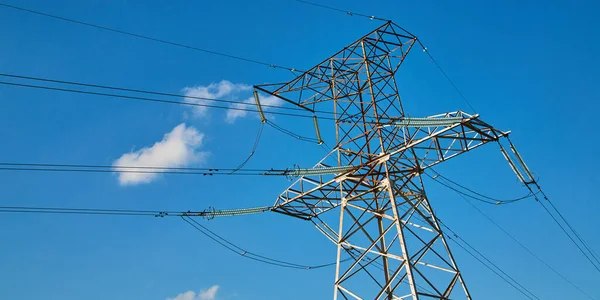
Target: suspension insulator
<point x="318" y="131"/>
<point x="260" y="110"/>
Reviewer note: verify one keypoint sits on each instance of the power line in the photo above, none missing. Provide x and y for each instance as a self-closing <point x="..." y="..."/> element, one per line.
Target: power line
<point x="350" y="13"/>
<point x="593" y="254"/>
<point x="83" y="84"/>
<point x="294" y="171"/>
<point x="489" y="268"/>
<point x="256" y="142"/>
<point x="524" y="247"/>
<point x="209" y="213"/>
<point x="86" y="211"/>
<point x="155" y="100"/>
<point x="591" y="260"/>
<point x="482" y="198"/>
<point x="148" y="38"/>
<point x="529" y="195"/>
<point x="132" y="171"/>
<point x="589" y="256"/>
<point x="446" y="75"/>
<point x="87" y="168"/>
<point x="127" y="167"/>
<point x="245" y="253"/>
<point x="292" y="134"/>
<point x="522" y="289"/>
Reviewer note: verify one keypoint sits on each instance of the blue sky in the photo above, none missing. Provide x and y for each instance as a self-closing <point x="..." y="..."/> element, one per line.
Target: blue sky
<point x="527" y="66"/>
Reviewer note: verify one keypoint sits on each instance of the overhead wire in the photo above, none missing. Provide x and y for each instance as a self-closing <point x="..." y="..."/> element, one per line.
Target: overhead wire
<point x="86" y="168"/>
<point x="81" y="170"/>
<point x="256" y="142"/>
<point x="137" y="98"/>
<point x="523" y="290"/>
<point x="292" y="134"/>
<point x="528" y="195"/>
<point x="525" y="247"/>
<point x="209" y="213"/>
<point x="592" y="259"/>
<point x="186" y="216"/>
<point x="480" y="197"/>
<point x="531" y="184"/>
<point x="589" y="255"/>
<point x="446" y="75"/>
<point x="85" y="211"/>
<point x="245" y="253"/>
<point x="124" y="167"/>
<point x="156" y="93"/>
<point x="490" y="268"/>
<point x="350" y="13"/>
<point x="593" y="254"/>
<point x="145" y="37"/>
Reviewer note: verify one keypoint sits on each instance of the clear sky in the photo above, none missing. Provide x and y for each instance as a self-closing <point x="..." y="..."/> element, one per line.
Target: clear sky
<point x="526" y="66"/>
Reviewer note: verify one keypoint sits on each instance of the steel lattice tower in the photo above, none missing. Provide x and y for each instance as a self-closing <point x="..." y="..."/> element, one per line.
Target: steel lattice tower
<point x="386" y="224"/>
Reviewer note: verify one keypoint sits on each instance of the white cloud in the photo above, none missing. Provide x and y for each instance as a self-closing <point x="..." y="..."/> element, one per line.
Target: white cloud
<point x="177" y="148"/>
<point x="207" y="294"/>
<point x="233" y="114"/>
<point x="212" y="91"/>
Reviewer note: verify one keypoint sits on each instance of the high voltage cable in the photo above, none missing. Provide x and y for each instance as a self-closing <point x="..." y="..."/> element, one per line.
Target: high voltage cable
<point x="350" y="13"/>
<point x="594" y="264"/>
<point x="123" y="89"/>
<point x="288" y="172"/>
<point x="130" y="171"/>
<point x="524" y="289"/>
<point x="292" y="134"/>
<point x="147" y="37"/>
<point x="126" y="167"/>
<point x="524" y="247"/>
<point x="490" y="268"/>
<point x="156" y="100"/>
<point x="589" y="255"/>
<point x="446" y="75"/>
<point x="245" y="253"/>
<point x="209" y="213"/>
<point x="482" y="197"/>
<point x="87" y="211"/>
<point x="186" y="216"/>
<point x="529" y="195"/>
<point x="256" y="142"/>
<point x="594" y="255"/>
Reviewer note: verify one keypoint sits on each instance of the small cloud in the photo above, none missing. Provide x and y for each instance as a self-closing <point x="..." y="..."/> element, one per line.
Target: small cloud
<point x="234" y="111"/>
<point x="177" y="148"/>
<point x="212" y="91"/>
<point x="207" y="294"/>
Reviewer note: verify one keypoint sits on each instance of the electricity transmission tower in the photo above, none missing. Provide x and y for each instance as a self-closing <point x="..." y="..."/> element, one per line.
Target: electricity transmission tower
<point x="385" y="222"/>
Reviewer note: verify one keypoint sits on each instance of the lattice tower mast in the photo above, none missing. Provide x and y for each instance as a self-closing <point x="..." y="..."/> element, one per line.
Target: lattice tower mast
<point x="386" y="224"/>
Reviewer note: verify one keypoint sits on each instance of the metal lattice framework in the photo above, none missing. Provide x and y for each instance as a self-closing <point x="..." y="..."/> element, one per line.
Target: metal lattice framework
<point x="385" y="223"/>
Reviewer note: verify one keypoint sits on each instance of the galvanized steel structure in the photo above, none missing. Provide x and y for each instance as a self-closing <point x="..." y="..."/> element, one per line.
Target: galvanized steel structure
<point x="384" y="220"/>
